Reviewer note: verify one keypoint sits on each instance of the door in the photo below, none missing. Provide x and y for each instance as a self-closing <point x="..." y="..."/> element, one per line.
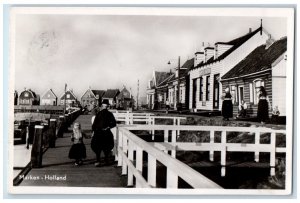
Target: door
<point x="241" y="94"/>
<point x="194" y="93"/>
<point x="216" y="91"/>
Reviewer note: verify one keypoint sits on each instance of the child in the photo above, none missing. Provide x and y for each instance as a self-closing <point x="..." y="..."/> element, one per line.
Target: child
<point x="77" y="151"/>
<point x="275" y="115"/>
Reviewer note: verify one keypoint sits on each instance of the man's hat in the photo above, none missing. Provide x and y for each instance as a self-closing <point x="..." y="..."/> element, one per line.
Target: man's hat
<point x="105" y="101"/>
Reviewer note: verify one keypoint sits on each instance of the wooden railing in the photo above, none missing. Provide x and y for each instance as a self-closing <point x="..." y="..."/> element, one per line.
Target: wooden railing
<point x="128" y="142"/>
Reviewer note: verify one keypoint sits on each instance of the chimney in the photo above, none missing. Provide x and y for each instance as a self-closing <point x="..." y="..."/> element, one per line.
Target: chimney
<point x="250" y="30"/>
<point x="269" y="41"/>
<point x="208" y="53"/>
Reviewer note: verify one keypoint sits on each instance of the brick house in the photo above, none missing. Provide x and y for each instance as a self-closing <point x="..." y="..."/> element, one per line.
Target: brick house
<point x="92" y="98"/>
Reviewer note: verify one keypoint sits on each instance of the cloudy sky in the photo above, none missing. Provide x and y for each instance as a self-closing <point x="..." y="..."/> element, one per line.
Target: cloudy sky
<point x="111" y="51"/>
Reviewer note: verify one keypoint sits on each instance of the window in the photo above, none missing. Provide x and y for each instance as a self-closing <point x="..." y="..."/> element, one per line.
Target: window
<point x="251" y="92"/>
<point x="257" y="84"/>
<point x="233" y="93"/>
<point x="68" y="96"/>
<point x="207" y="87"/>
<point x="26" y="94"/>
<point x="201" y="89"/>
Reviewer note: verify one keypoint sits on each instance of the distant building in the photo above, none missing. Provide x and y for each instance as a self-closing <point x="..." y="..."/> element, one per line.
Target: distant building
<point x="180" y="97"/>
<point x="28" y="97"/>
<point x="124" y="99"/>
<point x="264" y="66"/>
<point x="111" y="96"/>
<point x="49" y="98"/>
<point x="16" y="96"/>
<point x="156" y="80"/>
<point x="69" y="96"/>
<point x="92" y="98"/>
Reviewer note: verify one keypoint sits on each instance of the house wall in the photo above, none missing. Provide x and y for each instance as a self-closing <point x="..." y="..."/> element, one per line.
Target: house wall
<point x="248" y="83"/>
<point x="279" y="86"/>
<point x="49" y="102"/>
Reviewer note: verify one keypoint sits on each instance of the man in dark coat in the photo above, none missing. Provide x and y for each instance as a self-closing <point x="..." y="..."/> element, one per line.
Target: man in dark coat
<point x="103" y="139"/>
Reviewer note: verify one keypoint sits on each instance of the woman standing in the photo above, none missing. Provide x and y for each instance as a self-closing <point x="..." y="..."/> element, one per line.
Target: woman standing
<point x="263" y="106"/>
<point x="227" y="105"/>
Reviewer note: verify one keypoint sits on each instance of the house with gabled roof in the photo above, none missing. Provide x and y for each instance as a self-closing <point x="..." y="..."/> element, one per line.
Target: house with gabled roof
<point x="69" y="97"/>
<point x="154" y="82"/>
<point x="49" y="98"/>
<point x="28" y="97"/>
<point x="111" y="96"/>
<point x="264" y="66"/>
<point x="124" y="99"/>
<point x="212" y="62"/>
<point x="92" y="98"/>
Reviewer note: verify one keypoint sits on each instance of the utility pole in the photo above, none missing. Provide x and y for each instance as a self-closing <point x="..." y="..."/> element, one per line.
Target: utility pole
<point x="137" y="95"/>
<point x="178" y="85"/>
<point x="65" y="96"/>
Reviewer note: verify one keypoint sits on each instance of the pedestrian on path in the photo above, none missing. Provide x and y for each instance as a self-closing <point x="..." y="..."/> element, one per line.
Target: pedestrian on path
<point x="78" y="150"/>
<point x="263" y="106"/>
<point x="227" y="105"/>
<point x="103" y="139"/>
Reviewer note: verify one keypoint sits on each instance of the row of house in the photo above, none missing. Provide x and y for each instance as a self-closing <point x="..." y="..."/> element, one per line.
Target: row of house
<point x="91" y="98"/>
<point x="242" y="64"/>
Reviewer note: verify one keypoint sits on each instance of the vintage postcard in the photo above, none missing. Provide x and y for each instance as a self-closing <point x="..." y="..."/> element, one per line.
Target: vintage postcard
<point x="151" y="100"/>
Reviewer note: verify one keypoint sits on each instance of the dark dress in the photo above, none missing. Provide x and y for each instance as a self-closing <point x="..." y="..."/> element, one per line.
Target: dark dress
<point x="77" y="151"/>
<point x="227" y="106"/>
<point x="103" y="139"/>
<point x="263" y="108"/>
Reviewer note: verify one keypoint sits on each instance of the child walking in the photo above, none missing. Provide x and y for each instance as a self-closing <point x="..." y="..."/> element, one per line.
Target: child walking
<point x="78" y="150"/>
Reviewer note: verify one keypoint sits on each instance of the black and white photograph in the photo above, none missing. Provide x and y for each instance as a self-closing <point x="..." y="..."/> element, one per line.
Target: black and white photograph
<point x="151" y="100"/>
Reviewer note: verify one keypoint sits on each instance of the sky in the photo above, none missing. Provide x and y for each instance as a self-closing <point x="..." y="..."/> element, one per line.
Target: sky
<point x="107" y="52"/>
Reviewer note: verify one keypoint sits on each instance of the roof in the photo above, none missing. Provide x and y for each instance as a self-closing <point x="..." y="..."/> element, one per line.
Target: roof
<point x="98" y="92"/>
<point x="188" y="65"/>
<point x="29" y="91"/>
<point x="111" y="93"/>
<point x="260" y="59"/>
<point x="49" y="91"/>
<point x="124" y="94"/>
<point x="161" y="76"/>
<point x="235" y="44"/>
<point x="71" y="93"/>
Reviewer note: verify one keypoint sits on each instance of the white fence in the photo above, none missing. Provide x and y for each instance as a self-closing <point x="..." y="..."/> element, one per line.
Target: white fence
<point x="128" y="143"/>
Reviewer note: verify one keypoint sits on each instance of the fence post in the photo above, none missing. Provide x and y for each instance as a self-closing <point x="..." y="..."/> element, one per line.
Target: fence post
<point x="125" y="147"/>
<point x="212" y="140"/>
<point x="120" y="144"/>
<point x="273" y="153"/>
<point x="256" y="142"/>
<point x="166" y="138"/>
<point x="37" y="149"/>
<point x="127" y="118"/>
<point x="60" y="126"/>
<point x="153" y="131"/>
<point x="178" y="123"/>
<point x="172" y="179"/>
<point x="130" y="157"/>
<point x="52" y="129"/>
<point x="139" y="163"/>
<point x="173" y="140"/>
<point x="151" y="170"/>
<point x="223" y="153"/>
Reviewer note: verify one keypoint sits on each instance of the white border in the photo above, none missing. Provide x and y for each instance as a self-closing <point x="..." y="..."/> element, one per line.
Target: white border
<point x="265" y="12"/>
